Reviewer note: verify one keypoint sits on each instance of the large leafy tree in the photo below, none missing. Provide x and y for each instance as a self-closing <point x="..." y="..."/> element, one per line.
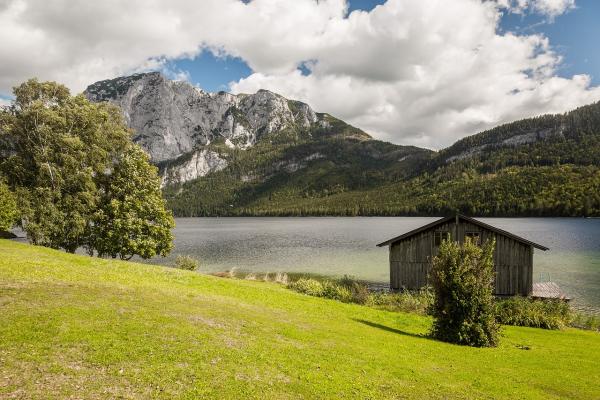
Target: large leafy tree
<point x="59" y="154"/>
<point x="58" y="144"/>
<point x="131" y="218"/>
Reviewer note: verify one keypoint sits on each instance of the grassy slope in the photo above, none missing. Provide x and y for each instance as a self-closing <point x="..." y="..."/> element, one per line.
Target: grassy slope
<point x="90" y="328"/>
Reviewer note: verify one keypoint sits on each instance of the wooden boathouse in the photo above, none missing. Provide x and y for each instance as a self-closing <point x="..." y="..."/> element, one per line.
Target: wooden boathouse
<point x="411" y="254"/>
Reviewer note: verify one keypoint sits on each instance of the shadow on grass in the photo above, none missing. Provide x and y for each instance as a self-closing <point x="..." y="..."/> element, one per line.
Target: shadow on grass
<point x="393" y="330"/>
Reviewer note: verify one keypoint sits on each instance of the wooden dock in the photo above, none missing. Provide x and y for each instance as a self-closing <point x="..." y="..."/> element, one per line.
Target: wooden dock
<point x="548" y="290"/>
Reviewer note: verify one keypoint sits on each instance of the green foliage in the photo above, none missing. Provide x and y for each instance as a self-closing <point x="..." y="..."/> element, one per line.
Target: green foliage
<point x="57" y="146"/>
<point x="462" y="278"/>
<point x="327" y="289"/>
<point x="418" y="302"/>
<point x="350" y="290"/>
<point x="8" y="207"/>
<point x="131" y="217"/>
<point x="72" y="165"/>
<point x="359" y="291"/>
<point x="309" y="286"/>
<point x="521" y="311"/>
<point x="257" y="181"/>
<point x="516" y="311"/>
<point x="334" y="291"/>
<point x="586" y="321"/>
<point x="188" y="263"/>
<point x="573" y="138"/>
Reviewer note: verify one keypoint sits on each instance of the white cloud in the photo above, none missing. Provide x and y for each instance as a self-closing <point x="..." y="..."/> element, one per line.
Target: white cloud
<point x="420" y="73"/>
<point x="410" y="71"/>
<point x="553" y="8"/>
<point x="550" y="8"/>
<point x="173" y="72"/>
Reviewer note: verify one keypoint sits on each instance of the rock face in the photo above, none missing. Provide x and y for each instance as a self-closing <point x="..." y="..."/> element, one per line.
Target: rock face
<point x="201" y="164"/>
<point x="518" y="139"/>
<point x="172" y="118"/>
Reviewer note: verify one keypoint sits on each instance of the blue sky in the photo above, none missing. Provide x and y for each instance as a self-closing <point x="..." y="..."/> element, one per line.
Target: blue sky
<point x="573" y="35"/>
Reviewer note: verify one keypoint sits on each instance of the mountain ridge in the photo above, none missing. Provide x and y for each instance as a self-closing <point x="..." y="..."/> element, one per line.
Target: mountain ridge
<point x="290" y="160"/>
<point x="180" y="116"/>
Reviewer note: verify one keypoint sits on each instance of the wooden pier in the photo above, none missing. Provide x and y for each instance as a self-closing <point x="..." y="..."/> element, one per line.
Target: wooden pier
<point x="548" y="290"/>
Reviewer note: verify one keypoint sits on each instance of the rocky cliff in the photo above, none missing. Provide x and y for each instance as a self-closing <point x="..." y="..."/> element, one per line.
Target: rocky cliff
<point x="172" y="118"/>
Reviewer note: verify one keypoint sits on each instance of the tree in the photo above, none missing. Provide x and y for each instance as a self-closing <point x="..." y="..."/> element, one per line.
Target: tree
<point x="8" y="207"/>
<point x="463" y="309"/>
<point x="132" y="218"/>
<point x="58" y="145"/>
<point x="65" y="157"/>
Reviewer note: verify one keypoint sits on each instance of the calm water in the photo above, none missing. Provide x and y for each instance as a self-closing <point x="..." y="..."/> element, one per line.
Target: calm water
<point x="338" y="246"/>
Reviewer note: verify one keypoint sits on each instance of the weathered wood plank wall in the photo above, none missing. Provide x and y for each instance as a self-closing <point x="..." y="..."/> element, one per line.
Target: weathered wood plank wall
<point x="410" y="259"/>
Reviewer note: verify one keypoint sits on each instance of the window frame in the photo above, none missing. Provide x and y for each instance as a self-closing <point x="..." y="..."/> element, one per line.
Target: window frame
<point x="439" y="236"/>
<point x="473" y="234"/>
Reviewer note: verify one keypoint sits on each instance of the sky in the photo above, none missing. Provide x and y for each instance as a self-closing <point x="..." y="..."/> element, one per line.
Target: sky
<point x="571" y="34"/>
<point x="418" y="72"/>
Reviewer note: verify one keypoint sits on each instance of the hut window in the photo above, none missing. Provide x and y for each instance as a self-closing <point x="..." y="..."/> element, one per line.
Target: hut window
<point x="474" y="236"/>
<point x="439" y="237"/>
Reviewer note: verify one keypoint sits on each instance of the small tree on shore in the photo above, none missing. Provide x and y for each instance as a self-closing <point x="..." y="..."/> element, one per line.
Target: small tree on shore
<point x="462" y="278"/>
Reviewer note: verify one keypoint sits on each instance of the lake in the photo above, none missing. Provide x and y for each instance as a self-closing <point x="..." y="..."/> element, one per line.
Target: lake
<point x="336" y="246"/>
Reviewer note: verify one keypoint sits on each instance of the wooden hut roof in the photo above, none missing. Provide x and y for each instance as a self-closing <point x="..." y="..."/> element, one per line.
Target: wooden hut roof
<point x="467" y="219"/>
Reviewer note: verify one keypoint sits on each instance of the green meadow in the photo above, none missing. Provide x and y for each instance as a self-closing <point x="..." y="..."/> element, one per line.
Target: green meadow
<point x="79" y="327"/>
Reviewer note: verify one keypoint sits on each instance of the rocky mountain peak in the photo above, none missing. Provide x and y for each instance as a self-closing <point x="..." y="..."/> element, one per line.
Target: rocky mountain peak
<point x="173" y="118"/>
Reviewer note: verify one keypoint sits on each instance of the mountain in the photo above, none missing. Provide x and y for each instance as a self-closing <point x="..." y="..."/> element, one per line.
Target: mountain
<point x="573" y="137"/>
<point x="262" y="154"/>
<point x="251" y="138"/>
<point x="173" y="118"/>
<point x="191" y="133"/>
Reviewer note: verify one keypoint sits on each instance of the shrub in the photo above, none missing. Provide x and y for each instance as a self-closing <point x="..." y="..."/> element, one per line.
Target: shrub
<point x="359" y="292"/>
<point x="407" y="301"/>
<point x="586" y="321"/>
<point x="350" y="290"/>
<point x="463" y="308"/>
<point x="332" y="290"/>
<point x="522" y="311"/>
<point x="327" y="289"/>
<point x="186" y="262"/>
<point x="308" y="286"/>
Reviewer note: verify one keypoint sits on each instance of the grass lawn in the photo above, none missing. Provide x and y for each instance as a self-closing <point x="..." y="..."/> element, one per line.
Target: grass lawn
<point x="80" y="327"/>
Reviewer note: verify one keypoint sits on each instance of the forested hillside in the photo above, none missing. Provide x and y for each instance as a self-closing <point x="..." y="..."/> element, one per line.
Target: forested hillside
<point x="544" y="166"/>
